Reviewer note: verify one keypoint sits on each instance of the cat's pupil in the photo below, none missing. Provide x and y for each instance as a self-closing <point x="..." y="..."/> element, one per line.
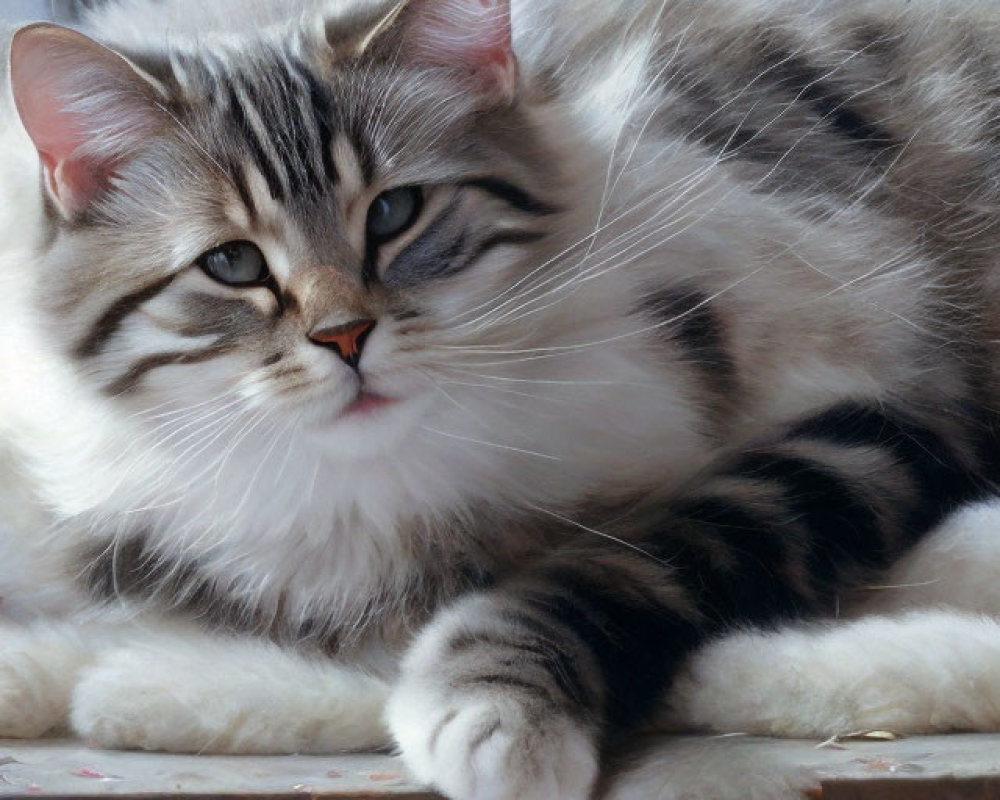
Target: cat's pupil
<point x="393" y="212"/>
<point x="235" y="264"/>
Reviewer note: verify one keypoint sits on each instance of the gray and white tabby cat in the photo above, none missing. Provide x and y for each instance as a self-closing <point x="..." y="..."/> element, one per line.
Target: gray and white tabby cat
<point x="518" y="370"/>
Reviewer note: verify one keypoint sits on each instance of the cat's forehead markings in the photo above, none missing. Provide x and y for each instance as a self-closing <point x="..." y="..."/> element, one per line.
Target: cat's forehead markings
<point x="268" y="213"/>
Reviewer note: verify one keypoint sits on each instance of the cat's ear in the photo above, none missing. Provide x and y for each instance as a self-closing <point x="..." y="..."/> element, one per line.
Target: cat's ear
<point x="470" y="36"/>
<point x="84" y="107"/>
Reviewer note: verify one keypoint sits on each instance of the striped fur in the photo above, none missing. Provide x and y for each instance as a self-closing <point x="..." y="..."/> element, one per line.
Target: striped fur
<point x="692" y="332"/>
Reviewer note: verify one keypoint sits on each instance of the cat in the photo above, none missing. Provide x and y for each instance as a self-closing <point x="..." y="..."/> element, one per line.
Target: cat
<point x="498" y="381"/>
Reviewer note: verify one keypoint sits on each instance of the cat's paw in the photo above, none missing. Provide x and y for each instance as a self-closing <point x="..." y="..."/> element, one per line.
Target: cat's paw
<point x="477" y="732"/>
<point x="179" y="694"/>
<point x="38" y="665"/>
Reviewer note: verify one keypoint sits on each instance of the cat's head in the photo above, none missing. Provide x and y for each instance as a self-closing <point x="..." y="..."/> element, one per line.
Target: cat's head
<point x="355" y="227"/>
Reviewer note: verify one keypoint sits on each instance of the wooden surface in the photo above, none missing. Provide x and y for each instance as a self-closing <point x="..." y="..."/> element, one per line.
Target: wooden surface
<point x="956" y="767"/>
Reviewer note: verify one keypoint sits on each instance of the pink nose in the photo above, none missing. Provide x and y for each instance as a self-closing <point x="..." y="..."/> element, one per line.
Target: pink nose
<point x="346" y="339"/>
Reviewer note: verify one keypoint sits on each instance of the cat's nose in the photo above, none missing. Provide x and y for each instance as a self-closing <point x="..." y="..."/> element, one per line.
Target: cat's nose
<point x="347" y="339"/>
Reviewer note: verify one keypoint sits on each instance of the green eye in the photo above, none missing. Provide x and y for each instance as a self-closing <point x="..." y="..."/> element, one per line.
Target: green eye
<point x="235" y="264"/>
<point x="394" y="212"/>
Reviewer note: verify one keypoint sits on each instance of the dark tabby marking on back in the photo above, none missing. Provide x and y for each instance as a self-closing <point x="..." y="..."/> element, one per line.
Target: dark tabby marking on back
<point x="110" y="321"/>
<point x="769" y="535"/>
<point x="736" y="561"/>
<point x="816" y="86"/>
<point x="846" y="531"/>
<point x="694" y="327"/>
<point x="929" y="459"/>
<point x="802" y="125"/>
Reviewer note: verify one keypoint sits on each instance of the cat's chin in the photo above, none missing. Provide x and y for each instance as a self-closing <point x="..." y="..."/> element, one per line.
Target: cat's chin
<point x="369" y="423"/>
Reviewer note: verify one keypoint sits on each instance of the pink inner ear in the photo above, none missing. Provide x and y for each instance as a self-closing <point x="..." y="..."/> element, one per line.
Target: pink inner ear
<point x="469" y="35"/>
<point x="84" y="108"/>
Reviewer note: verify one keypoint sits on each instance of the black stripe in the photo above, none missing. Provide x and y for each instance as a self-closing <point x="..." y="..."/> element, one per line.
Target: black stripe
<point x="110" y="321"/>
<point x="130" y="569"/>
<point x="483" y="737"/>
<point x="518" y="682"/>
<point x="513" y="195"/>
<point x="811" y="83"/>
<point x="844" y="531"/>
<point x="257" y="151"/>
<point x="543" y="650"/>
<point x="735" y="563"/>
<point x="322" y="106"/>
<point x="943" y="480"/>
<point x="636" y="644"/>
<point x="692" y="324"/>
<point x="239" y="181"/>
<point x="130" y="381"/>
<point x="270" y="93"/>
<point x="499" y="239"/>
<point x="296" y="146"/>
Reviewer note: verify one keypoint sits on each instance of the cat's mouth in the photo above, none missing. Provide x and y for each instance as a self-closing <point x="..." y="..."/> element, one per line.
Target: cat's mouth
<point x="367" y="403"/>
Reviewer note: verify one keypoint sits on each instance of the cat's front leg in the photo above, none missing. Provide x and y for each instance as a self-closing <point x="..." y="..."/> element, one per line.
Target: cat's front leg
<point x="39" y="665"/>
<point x="508" y="694"/>
<point x="181" y="689"/>
<point x="497" y="702"/>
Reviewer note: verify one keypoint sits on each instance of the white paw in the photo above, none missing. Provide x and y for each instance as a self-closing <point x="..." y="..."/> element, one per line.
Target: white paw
<point x="225" y="696"/>
<point x="38" y="665"/>
<point x="476" y="735"/>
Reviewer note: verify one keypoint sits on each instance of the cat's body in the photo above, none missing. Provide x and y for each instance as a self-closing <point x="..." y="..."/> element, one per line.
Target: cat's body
<point x="691" y="326"/>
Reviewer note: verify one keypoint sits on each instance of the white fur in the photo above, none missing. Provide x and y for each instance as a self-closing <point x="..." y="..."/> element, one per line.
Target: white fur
<point x="198" y="694"/>
<point x="479" y="744"/>
<point x="922" y="672"/>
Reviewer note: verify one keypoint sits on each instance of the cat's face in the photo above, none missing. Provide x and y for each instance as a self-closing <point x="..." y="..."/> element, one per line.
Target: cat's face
<point x="313" y="229"/>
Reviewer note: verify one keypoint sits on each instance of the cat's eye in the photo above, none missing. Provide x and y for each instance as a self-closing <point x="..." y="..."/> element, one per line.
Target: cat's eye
<point x="392" y="213"/>
<point x="235" y="264"/>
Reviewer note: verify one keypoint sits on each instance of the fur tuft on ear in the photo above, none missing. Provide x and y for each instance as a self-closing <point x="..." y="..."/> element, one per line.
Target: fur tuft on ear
<point x="83" y="106"/>
<point x="472" y="36"/>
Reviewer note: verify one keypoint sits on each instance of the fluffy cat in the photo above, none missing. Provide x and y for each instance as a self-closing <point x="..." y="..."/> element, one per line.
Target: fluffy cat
<point x="517" y="370"/>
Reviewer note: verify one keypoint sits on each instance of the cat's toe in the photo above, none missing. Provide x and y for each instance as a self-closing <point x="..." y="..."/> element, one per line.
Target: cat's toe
<point x="480" y="746"/>
<point x="478" y="726"/>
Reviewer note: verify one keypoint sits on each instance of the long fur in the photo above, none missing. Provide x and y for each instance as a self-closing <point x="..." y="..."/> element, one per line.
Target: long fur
<point x="692" y="340"/>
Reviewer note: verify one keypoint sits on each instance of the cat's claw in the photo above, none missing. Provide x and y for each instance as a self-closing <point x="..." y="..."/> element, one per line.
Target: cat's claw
<point x="483" y="740"/>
